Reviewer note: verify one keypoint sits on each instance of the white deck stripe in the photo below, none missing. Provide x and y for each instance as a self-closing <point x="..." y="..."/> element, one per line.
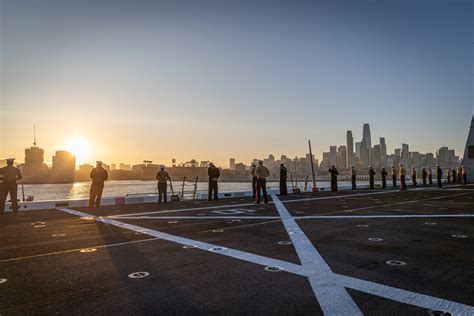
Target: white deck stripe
<point x="334" y="300"/>
<point x="407" y="297"/>
<point x="404" y="202"/>
<point x="77" y="250"/>
<point x="213" y="207"/>
<point x="224" y="218"/>
<point x="195" y="217"/>
<point x="324" y="281"/>
<point x="245" y="256"/>
<point x="386" y="216"/>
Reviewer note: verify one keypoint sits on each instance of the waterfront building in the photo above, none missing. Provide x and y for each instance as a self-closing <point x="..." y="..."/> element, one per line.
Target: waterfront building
<point x="342" y="157"/>
<point x="350" y="149"/>
<point x="366" y="135"/>
<point x="333" y="155"/>
<point x="64" y="167"/>
<point x="232" y="163"/>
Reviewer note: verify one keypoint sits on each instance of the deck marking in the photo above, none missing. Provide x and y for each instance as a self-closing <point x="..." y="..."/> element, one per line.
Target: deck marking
<point x="334" y="300"/>
<point x="194" y="217"/>
<point x="277" y="218"/>
<point x="213" y="207"/>
<point x="138" y="275"/>
<point x="386" y="216"/>
<point x="334" y="281"/>
<point x="76" y="250"/>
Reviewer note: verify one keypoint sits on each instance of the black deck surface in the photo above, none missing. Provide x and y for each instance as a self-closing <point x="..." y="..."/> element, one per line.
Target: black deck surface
<point x="54" y="262"/>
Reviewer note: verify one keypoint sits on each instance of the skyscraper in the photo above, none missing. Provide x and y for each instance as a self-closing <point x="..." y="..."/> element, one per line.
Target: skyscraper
<point x="333" y="155"/>
<point x="34" y="169"/>
<point x="405" y="154"/>
<point x="366" y="135"/>
<point x="350" y="150"/>
<point x="364" y="153"/>
<point x="342" y="157"/>
<point x="383" y="152"/>
<point x="232" y="163"/>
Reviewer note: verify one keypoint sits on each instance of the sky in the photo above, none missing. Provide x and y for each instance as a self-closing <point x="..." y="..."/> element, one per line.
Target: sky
<point x="125" y="81"/>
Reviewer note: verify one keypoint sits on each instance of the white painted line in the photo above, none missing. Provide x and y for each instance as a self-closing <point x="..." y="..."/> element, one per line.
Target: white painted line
<point x="75" y="250"/>
<point x="387" y="216"/>
<point x="245" y="256"/>
<point x="193" y="217"/>
<point x="406" y="297"/>
<point x="214" y="207"/>
<point x="334" y="300"/>
<point x="331" y="284"/>
<point x="404" y="202"/>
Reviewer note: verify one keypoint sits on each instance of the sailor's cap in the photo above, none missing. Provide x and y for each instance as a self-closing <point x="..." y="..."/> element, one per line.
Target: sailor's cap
<point x="10" y="159"/>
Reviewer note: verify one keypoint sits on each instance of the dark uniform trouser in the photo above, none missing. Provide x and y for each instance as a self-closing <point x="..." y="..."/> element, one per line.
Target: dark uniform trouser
<point x="283" y="188"/>
<point x="430" y="179"/>
<point x="12" y="188"/>
<point x="212" y="188"/>
<point x="254" y="186"/>
<point x="353" y="180"/>
<point x="440" y="185"/>
<point x="464" y="178"/>
<point x="262" y="186"/>
<point x="95" y="194"/>
<point x="403" y="183"/>
<point x="394" y="181"/>
<point x="384" y="182"/>
<point x="371" y="182"/>
<point x="162" y="190"/>
<point x="334" y="184"/>
<point x="424" y="180"/>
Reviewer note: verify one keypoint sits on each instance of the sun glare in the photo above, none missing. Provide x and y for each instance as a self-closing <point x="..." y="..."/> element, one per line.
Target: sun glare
<point x="80" y="147"/>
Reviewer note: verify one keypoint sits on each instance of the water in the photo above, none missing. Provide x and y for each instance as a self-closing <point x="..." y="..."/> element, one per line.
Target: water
<point x="80" y="190"/>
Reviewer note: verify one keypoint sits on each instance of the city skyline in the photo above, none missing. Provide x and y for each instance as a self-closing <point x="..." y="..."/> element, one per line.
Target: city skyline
<point x="168" y="80"/>
<point x="349" y="154"/>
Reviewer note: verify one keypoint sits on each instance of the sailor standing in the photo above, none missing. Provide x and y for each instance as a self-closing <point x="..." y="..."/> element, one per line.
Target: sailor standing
<point x="9" y="176"/>
<point x="283" y="176"/>
<point x="353" y="178"/>
<point x="394" y="177"/>
<point x="98" y="176"/>
<point x="454" y="175"/>
<point x="254" y="180"/>
<point x="423" y="175"/>
<point x="371" y="177"/>
<point x="384" y="178"/>
<point x="262" y="175"/>
<point x="464" y="175"/>
<point x="214" y="174"/>
<point x="430" y="176"/>
<point x="449" y="176"/>
<point x="413" y="176"/>
<point x="403" y="174"/>
<point x="163" y="177"/>
<point x="334" y="173"/>
<point x="439" y="176"/>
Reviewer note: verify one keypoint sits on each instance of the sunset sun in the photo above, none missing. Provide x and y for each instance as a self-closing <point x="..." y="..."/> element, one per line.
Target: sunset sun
<point x="79" y="147"/>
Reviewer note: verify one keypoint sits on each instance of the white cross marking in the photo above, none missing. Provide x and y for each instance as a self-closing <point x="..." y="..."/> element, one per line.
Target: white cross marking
<point x="329" y="287"/>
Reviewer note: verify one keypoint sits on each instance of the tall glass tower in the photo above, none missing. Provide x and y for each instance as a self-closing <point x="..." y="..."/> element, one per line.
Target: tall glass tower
<point x="366" y="135"/>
